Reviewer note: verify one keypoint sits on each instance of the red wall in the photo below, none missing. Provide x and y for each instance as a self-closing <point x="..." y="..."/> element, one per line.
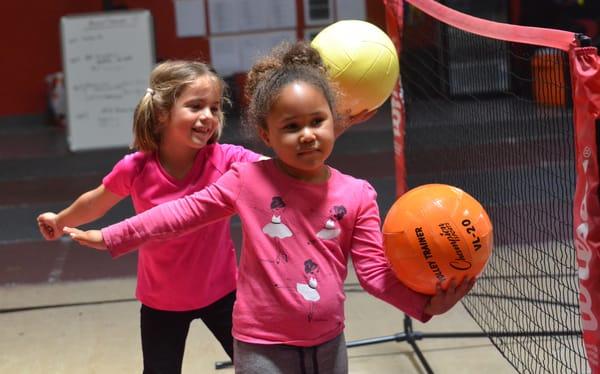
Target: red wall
<point x="31" y="49"/>
<point x="31" y="44"/>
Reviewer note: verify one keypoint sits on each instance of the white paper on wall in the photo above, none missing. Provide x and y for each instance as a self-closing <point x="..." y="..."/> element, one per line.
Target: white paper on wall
<point x="190" y="18"/>
<point x="234" y="16"/>
<point x="237" y="53"/>
<point x="351" y="9"/>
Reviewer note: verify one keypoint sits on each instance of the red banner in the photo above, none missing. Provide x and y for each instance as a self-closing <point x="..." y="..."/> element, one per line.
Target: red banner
<point x="585" y="80"/>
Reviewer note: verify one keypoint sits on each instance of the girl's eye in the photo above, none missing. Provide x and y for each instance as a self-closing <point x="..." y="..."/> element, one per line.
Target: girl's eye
<point x="290" y="127"/>
<point x="316" y="122"/>
<point x="215" y="109"/>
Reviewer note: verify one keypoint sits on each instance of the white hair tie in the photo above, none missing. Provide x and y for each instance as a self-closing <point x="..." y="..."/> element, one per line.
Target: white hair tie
<point x="150" y="91"/>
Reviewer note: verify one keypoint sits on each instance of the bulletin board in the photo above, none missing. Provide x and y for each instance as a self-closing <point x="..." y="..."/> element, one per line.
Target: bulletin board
<point x="107" y="59"/>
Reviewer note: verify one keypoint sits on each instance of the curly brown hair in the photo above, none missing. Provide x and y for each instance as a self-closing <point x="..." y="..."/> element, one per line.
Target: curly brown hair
<point x="167" y="81"/>
<point x="285" y="64"/>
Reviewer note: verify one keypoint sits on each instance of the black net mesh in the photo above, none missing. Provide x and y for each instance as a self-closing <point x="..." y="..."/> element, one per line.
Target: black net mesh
<point x="494" y="118"/>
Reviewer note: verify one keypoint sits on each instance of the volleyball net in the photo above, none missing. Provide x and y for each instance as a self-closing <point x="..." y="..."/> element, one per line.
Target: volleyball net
<point x="510" y="115"/>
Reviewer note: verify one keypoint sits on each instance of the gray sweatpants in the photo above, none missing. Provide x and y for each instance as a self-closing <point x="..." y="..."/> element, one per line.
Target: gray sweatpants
<point x="327" y="358"/>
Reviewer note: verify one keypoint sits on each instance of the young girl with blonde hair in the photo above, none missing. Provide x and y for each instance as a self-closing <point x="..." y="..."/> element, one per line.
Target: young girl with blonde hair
<point x="176" y="127"/>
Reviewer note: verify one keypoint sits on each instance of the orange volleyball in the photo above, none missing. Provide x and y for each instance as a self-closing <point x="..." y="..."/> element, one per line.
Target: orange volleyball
<point x="434" y="233"/>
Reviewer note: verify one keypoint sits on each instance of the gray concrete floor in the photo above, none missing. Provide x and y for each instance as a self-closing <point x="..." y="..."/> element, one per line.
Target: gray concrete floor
<point x="104" y="337"/>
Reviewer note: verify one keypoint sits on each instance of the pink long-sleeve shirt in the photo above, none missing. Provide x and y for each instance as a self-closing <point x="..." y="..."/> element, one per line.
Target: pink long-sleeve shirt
<point x="193" y="270"/>
<point x="297" y="241"/>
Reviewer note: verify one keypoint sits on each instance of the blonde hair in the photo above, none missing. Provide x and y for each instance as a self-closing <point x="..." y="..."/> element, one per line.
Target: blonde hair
<point x="287" y="63"/>
<point x="167" y="82"/>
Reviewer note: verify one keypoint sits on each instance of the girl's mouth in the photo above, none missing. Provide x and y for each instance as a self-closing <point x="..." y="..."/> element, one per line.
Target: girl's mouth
<point x="307" y="151"/>
<point x="201" y="130"/>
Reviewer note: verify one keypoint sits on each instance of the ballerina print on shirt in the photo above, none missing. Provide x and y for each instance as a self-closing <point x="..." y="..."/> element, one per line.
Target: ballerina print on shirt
<point x="309" y="290"/>
<point x="277" y="229"/>
<point x="331" y="228"/>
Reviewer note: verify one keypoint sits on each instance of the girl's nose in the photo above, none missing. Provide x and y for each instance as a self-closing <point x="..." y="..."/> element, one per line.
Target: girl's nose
<point x="206" y="113"/>
<point x="307" y="135"/>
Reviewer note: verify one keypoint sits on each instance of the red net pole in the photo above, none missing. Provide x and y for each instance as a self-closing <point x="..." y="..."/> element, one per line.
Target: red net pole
<point x="585" y="80"/>
<point x="394" y="24"/>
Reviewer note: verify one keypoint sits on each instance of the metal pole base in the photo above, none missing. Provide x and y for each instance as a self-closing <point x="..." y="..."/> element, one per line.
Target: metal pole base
<point x="408" y="336"/>
<point x="223" y="364"/>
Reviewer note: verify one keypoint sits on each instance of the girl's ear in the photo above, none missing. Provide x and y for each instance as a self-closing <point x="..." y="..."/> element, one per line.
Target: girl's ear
<point x="163" y="117"/>
<point x="264" y="135"/>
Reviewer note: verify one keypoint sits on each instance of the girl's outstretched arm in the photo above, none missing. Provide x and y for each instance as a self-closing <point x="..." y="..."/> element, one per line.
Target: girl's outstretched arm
<point x="89" y="238"/>
<point x="170" y="219"/>
<point x="87" y="208"/>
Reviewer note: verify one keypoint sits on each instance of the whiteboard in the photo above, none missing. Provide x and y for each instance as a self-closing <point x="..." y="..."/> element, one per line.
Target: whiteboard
<point x="107" y="59"/>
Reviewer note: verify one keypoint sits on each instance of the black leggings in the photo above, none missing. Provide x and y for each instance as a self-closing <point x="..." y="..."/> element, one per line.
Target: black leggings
<point x="164" y="333"/>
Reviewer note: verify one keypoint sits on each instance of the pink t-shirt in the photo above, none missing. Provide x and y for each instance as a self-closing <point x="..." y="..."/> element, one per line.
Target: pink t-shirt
<point x="189" y="271"/>
<point x="297" y="241"/>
